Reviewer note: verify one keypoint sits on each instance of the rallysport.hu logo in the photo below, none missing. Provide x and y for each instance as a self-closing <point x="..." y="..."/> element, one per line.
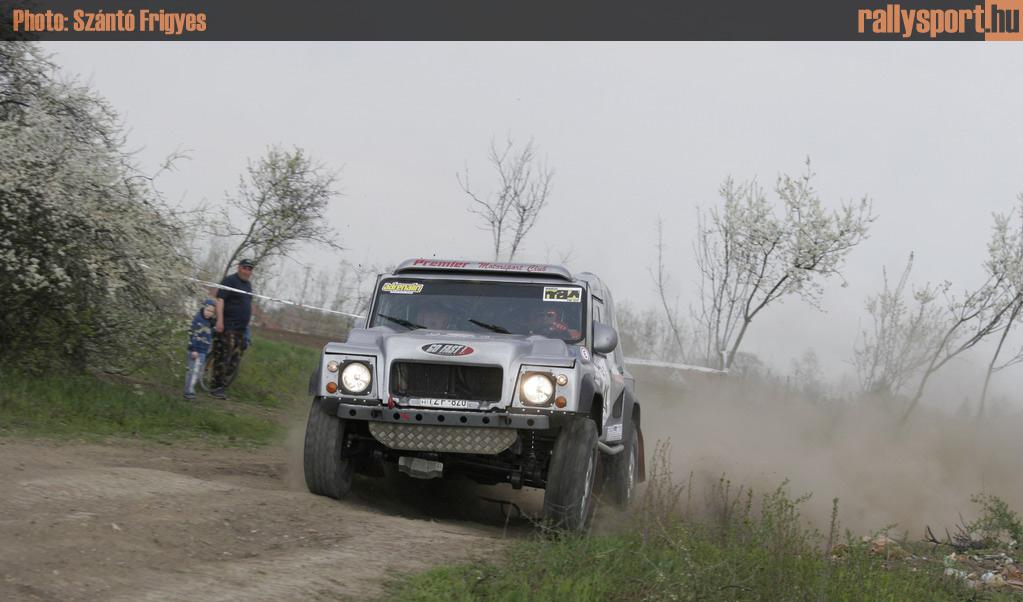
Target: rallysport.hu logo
<point x="994" y="20"/>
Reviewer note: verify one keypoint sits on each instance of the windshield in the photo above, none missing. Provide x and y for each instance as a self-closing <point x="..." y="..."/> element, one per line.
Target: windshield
<point x="492" y="307"/>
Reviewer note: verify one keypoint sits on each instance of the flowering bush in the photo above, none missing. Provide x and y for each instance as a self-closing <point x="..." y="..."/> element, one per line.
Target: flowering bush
<point x="90" y="258"/>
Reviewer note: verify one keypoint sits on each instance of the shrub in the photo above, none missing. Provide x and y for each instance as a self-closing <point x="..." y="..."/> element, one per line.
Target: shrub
<point x="996" y="522"/>
<point x="89" y="254"/>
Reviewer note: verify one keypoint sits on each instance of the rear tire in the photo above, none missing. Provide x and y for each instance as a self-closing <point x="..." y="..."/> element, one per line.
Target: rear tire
<point x="326" y="472"/>
<point x="623" y="469"/>
<point x="568" y="499"/>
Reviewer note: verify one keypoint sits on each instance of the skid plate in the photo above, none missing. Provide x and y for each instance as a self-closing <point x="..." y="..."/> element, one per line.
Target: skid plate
<point x="455" y="439"/>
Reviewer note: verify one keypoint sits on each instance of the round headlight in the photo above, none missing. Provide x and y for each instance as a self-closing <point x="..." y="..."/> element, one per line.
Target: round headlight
<point x="332" y="366"/>
<point x="355" y="378"/>
<point x="537" y="389"/>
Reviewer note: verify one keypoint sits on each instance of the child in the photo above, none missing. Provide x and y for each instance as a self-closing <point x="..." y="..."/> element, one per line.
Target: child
<point x="200" y="337"/>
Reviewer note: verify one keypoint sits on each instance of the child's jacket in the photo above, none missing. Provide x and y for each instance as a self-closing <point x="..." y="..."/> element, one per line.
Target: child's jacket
<point x="200" y="334"/>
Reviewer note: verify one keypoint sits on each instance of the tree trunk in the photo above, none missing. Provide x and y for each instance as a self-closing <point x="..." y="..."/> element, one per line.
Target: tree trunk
<point x="994" y="359"/>
<point x="728" y="361"/>
<point x="916" y="396"/>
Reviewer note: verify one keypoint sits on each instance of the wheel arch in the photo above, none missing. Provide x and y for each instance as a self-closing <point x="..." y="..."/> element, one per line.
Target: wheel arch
<point x="634" y="414"/>
<point x="591" y="402"/>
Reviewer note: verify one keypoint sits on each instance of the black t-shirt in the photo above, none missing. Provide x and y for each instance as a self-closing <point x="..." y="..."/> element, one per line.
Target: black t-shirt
<point x="237" y="307"/>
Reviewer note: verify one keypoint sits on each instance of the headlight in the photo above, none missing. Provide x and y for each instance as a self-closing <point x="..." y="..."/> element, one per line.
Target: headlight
<point x="356" y="377"/>
<point x="537" y="389"/>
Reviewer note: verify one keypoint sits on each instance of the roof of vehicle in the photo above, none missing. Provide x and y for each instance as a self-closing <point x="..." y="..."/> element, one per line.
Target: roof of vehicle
<point x="596" y="285"/>
<point x="447" y="266"/>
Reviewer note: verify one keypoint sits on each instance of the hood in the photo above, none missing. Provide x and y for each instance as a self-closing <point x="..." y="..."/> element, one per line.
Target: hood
<point x="461" y="347"/>
<point x="509" y="352"/>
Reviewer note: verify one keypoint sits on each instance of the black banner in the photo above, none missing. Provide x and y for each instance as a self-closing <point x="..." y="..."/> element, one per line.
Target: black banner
<point x="508" y="20"/>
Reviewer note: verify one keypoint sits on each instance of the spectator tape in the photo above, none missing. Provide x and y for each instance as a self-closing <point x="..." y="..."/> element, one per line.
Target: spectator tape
<point x="275" y="299"/>
<point x="659" y="364"/>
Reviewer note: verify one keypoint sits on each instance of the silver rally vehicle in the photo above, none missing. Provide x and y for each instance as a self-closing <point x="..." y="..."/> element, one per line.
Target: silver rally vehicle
<point x="503" y="372"/>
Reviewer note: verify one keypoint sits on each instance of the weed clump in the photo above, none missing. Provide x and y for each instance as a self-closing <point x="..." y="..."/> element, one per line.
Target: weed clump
<point x="998" y="525"/>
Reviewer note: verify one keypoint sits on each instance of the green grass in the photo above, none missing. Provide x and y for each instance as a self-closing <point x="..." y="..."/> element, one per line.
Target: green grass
<point x="735" y="547"/>
<point x="87" y="406"/>
<point x="274" y="374"/>
<point x="148" y="404"/>
<point x="679" y="563"/>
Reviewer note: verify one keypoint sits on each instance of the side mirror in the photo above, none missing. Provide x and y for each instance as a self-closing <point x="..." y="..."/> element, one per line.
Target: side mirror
<point x="605" y="338"/>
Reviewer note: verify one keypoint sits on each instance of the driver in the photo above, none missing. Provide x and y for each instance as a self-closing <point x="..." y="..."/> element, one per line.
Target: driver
<point x="546" y="322"/>
<point x="432" y="316"/>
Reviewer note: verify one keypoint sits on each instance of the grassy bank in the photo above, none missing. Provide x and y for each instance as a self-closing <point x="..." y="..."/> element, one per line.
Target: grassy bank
<point x="148" y="404"/>
<point x="680" y="562"/>
<point x="735" y="546"/>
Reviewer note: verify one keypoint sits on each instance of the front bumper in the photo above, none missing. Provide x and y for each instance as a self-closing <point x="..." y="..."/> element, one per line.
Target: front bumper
<point x="447" y="418"/>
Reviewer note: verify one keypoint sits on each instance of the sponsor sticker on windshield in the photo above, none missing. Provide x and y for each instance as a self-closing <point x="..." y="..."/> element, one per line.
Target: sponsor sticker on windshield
<point x="402" y="288"/>
<point x="563" y="294"/>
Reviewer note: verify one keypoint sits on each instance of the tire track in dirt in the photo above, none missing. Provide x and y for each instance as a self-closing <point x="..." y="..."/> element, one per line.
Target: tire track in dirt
<point x="106" y="484"/>
<point x="309" y="575"/>
<point x="131" y="522"/>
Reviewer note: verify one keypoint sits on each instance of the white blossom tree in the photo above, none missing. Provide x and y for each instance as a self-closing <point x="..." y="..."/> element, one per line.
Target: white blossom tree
<point x="1005" y="256"/>
<point x="982" y="312"/>
<point x="750" y="255"/>
<point x="523" y="189"/>
<point x="91" y="259"/>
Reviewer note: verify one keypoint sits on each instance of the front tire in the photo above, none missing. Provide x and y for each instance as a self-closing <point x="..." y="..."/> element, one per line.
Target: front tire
<point x="568" y="499"/>
<point x="326" y="471"/>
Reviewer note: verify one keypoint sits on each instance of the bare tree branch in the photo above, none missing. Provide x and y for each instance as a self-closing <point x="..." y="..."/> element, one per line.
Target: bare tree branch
<point x="661" y="283"/>
<point x="523" y="191"/>
<point x="283" y="197"/>
<point x="902" y="339"/>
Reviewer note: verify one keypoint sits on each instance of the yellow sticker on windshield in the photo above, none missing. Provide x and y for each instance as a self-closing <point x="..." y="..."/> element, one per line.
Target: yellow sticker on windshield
<point x="562" y="294"/>
<point x="402" y="288"/>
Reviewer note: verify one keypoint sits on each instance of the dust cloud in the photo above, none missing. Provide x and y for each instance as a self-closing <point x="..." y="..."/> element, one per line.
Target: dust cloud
<point x="923" y="473"/>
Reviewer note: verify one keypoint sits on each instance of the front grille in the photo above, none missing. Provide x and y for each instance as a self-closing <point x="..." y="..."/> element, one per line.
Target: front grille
<point x="446" y="381"/>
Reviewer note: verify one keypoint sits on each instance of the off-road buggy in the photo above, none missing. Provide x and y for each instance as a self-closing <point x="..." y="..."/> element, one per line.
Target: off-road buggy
<point x="505" y="373"/>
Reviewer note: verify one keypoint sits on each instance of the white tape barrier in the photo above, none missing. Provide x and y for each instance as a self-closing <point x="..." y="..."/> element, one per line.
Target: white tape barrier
<point x="686" y="367"/>
<point x="275" y="299"/>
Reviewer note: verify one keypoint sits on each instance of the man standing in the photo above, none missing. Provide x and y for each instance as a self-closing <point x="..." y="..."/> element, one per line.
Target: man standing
<point x="234" y="309"/>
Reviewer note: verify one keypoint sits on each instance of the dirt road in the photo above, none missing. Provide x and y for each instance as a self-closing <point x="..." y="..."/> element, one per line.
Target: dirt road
<point x="153" y="522"/>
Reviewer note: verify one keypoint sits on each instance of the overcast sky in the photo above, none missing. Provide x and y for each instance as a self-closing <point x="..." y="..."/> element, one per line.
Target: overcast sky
<point x="929" y="131"/>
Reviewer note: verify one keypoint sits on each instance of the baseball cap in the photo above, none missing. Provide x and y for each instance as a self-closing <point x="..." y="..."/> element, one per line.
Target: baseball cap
<point x="246" y="263"/>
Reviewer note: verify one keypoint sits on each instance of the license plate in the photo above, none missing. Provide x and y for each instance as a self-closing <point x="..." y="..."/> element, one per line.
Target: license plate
<point x="448" y="404"/>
